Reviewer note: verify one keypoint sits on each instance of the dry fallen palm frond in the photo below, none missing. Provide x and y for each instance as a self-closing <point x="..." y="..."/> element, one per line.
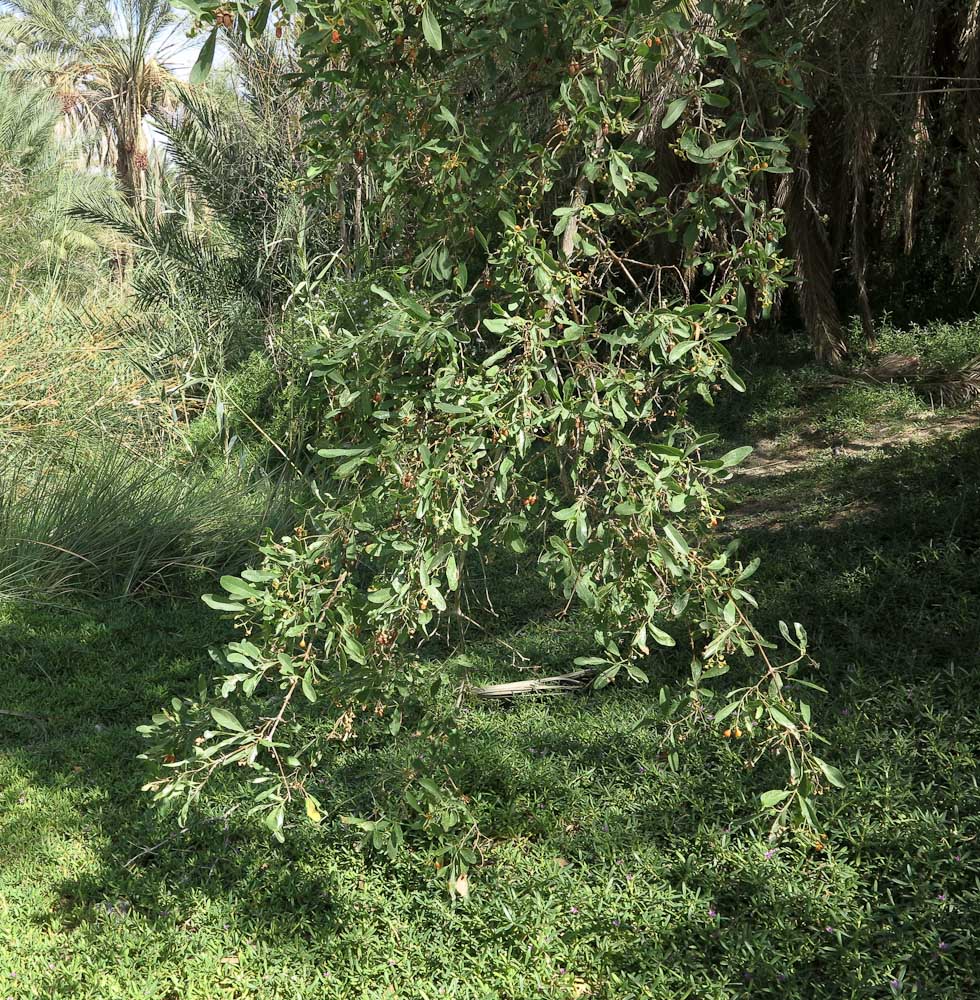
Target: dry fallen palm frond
<point x="949" y="386"/>
<point x="940" y="385"/>
<point x="559" y="684"/>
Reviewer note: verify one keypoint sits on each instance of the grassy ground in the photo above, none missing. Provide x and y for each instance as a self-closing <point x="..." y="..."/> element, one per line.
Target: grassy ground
<point x="789" y="401"/>
<point x="608" y="874"/>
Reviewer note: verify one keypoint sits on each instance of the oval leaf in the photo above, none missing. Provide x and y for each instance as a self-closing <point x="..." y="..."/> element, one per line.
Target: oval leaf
<point x="674" y="111"/>
<point x="226" y="720"/>
<point x="831" y="773"/>
<point x="431" y="29"/>
<point x="774" y="797"/>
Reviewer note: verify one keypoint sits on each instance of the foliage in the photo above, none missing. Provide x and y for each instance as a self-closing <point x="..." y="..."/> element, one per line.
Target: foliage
<point x="548" y="309"/>
<point x="607" y="870"/>
<point x="218" y="250"/>
<point x="105" y="63"/>
<point x="38" y="184"/>
<point x="64" y="375"/>
<point x="114" y="522"/>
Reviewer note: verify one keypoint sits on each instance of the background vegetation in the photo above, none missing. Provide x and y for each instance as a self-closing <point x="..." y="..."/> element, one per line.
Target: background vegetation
<point x="186" y="313"/>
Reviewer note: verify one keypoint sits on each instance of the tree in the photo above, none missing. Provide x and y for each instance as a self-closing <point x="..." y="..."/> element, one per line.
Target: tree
<point x="884" y="191"/>
<point x="561" y="212"/>
<point x="232" y="225"/>
<point x="39" y="182"/>
<point x="106" y="65"/>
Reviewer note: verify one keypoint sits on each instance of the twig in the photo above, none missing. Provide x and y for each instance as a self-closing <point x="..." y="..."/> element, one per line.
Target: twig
<point x="24" y="715"/>
<point x="177" y="833"/>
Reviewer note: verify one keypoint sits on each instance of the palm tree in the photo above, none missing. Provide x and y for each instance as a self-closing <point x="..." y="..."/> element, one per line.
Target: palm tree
<point x="39" y="183"/>
<point x="229" y="224"/>
<point x="107" y="65"/>
<point x="886" y="191"/>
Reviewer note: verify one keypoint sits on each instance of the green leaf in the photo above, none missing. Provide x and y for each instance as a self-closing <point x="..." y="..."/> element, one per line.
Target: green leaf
<point x="435" y="595"/>
<point x="717" y="149"/>
<point x="226" y="720"/>
<point x="676" y="539"/>
<point x="431" y="29"/>
<point x="606" y="677"/>
<point x="831" y="773"/>
<point x="239" y="588"/>
<point x="661" y="636"/>
<point x="733" y="380"/>
<point x="342" y="452"/>
<point x="774" y="797"/>
<point x="221" y="605"/>
<point x="735" y="456"/>
<point x="637" y="674"/>
<point x="723" y="713"/>
<point x="808" y="812"/>
<point x="308" y="690"/>
<point x="679" y="350"/>
<point x="202" y="66"/>
<point x="781" y="717"/>
<point x="674" y="110"/>
<point x="452" y="572"/>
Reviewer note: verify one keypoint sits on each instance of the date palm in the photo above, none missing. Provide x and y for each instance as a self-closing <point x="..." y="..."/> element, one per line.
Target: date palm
<point x="107" y="64"/>
<point x="885" y="194"/>
<point x="39" y="183"/>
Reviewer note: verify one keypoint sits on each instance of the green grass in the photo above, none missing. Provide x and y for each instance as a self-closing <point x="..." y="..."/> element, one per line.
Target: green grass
<point x="106" y="519"/>
<point x="607" y="874"/>
<point x="789" y="401"/>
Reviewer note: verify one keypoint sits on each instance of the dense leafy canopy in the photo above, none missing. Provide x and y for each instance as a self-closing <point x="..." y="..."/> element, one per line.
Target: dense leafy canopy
<point x="558" y="209"/>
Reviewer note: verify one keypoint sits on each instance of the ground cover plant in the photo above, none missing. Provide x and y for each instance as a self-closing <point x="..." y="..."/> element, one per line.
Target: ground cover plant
<point x="906" y="374"/>
<point x="607" y="872"/>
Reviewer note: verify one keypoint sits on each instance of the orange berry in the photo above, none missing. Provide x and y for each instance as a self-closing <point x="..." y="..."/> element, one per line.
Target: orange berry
<point x="728" y="733"/>
<point x="738" y="734"/>
<point x="335" y="36"/>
